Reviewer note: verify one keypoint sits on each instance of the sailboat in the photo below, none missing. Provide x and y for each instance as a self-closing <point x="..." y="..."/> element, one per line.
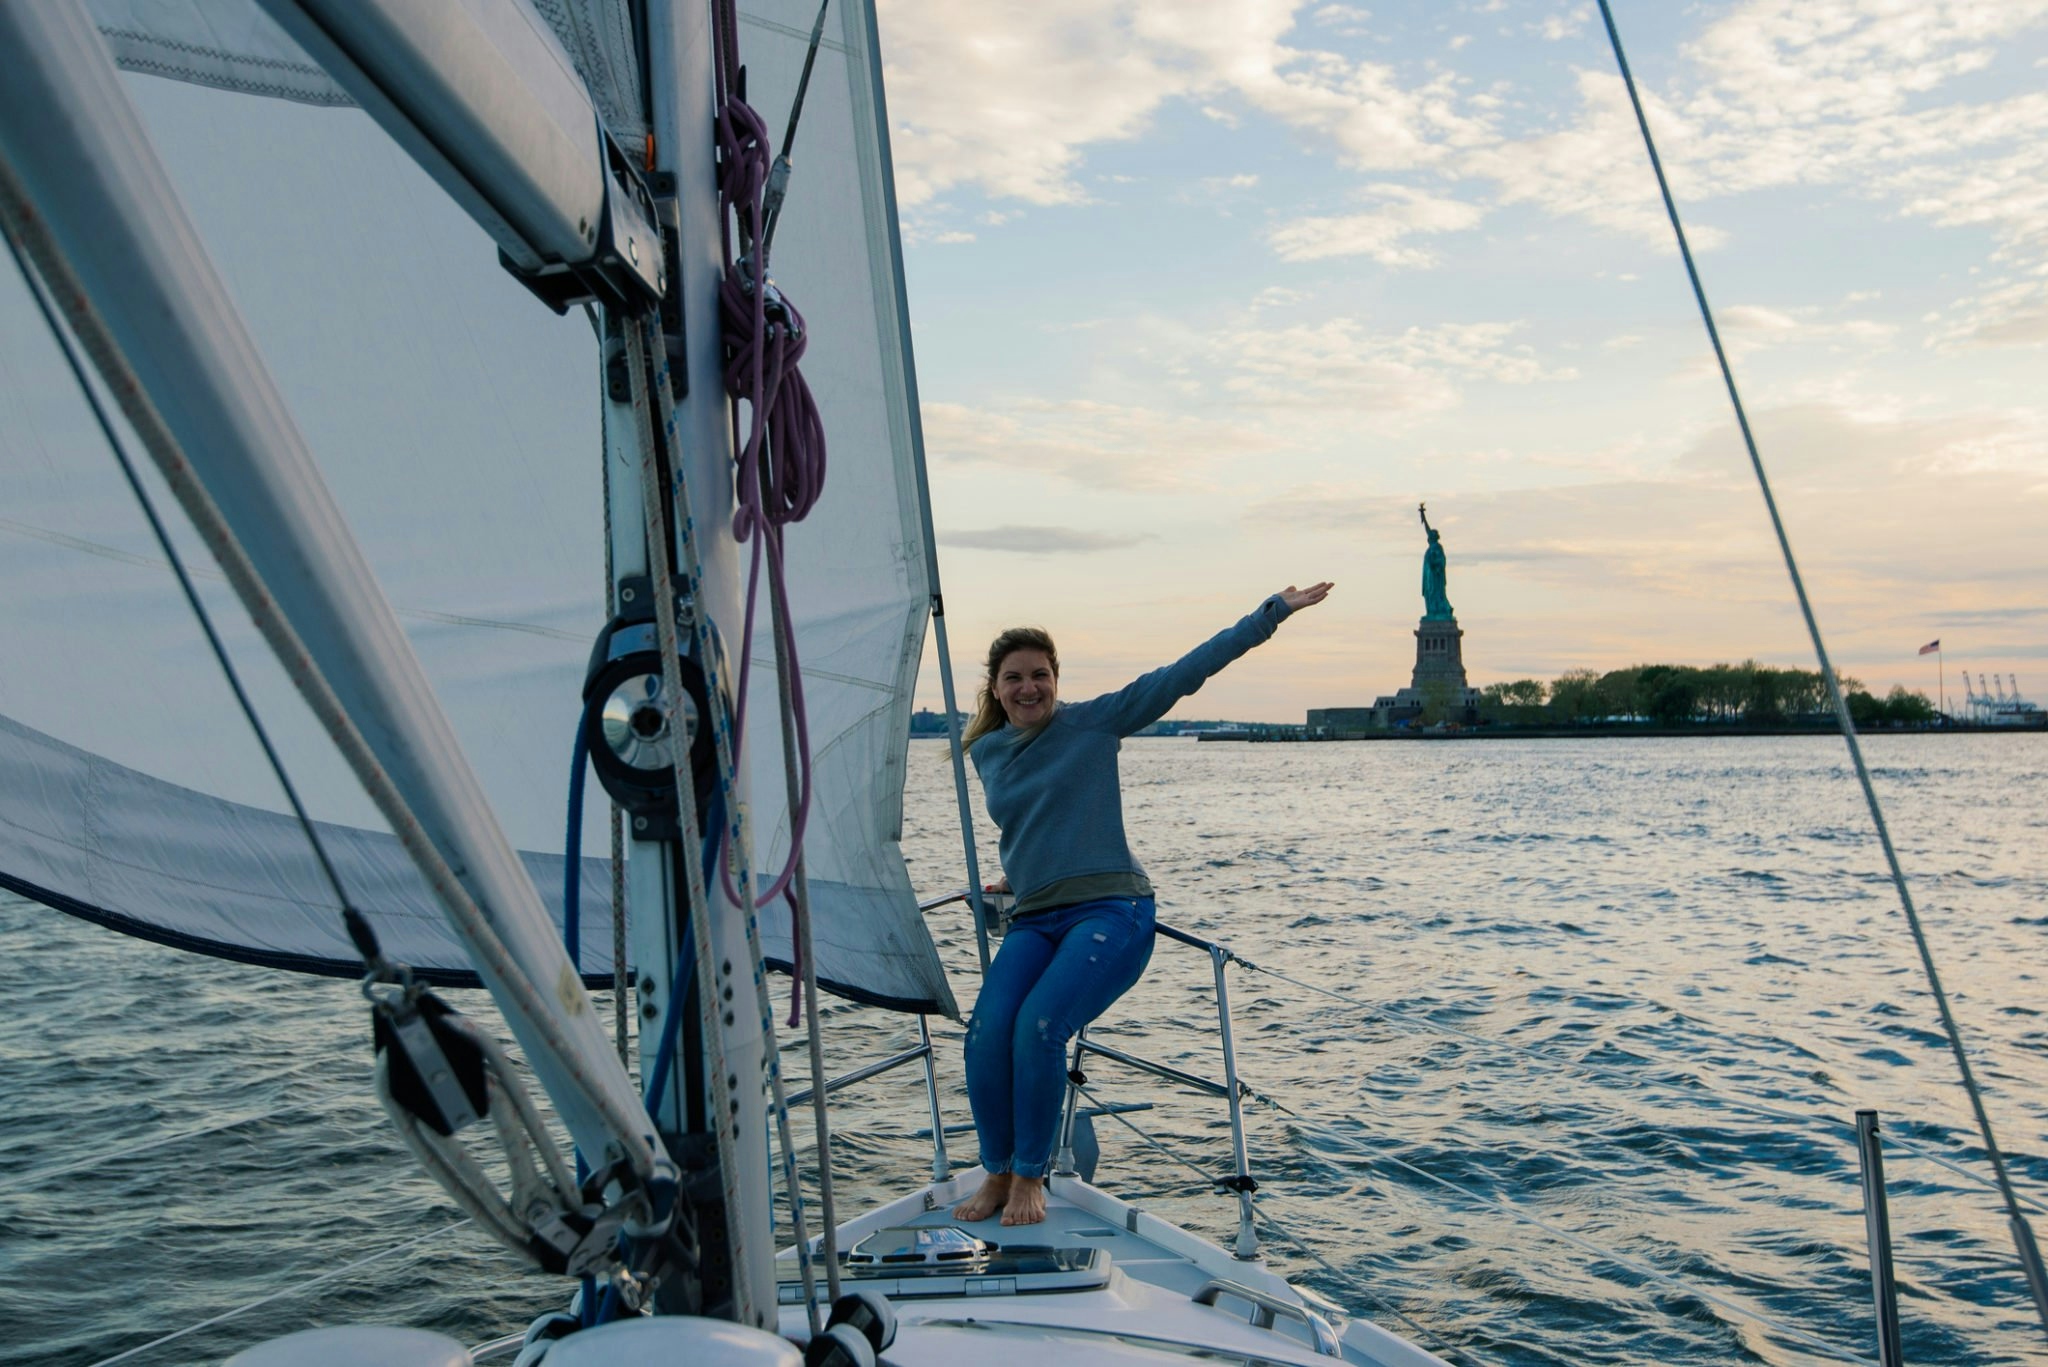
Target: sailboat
<point x="577" y="140"/>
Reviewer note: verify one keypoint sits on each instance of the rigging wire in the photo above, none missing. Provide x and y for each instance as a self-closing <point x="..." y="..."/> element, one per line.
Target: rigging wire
<point x="2022" y="1234"/>
<point x="292" y="1290"/>
<point x="177" y="564"/>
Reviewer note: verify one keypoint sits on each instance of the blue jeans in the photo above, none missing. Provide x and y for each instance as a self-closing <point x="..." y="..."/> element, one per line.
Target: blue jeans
<point x="1057" y="971"/>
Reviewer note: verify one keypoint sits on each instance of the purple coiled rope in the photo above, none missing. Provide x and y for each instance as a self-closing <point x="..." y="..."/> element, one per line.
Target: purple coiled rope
<point x="781" y="461"/>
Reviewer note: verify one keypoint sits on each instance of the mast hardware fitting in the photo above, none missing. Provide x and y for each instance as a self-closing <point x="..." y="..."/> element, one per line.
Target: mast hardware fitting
<point x="628" y="267"/>
<point x="634" y="729"/>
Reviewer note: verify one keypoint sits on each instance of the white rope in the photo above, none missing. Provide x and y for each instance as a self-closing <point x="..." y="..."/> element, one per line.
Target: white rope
<point x="622" y="976"/>
<point x="292" y="1290"/>
<point x="540" y="1176"/>
<point x="668" y="638"/>
<point x="739" y="847"/>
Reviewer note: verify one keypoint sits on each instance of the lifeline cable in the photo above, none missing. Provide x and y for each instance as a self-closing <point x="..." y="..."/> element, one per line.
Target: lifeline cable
<point x="1115" y="1113"/>
<point x="37" y="1176"/>
<point x="1584" y="1245"/>
<point x="1601" y="1070"/>
<point x="1644" y="1269"/>
<point x="2022" y="1233"/>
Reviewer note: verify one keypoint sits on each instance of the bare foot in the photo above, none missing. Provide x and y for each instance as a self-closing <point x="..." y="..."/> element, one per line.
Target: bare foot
<point x="1026" y="1205"/>
<point x="994" y="1193"/>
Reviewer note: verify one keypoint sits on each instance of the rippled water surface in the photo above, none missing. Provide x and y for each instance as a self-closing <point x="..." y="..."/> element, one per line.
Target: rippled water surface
<point x="1612" y="1005"/>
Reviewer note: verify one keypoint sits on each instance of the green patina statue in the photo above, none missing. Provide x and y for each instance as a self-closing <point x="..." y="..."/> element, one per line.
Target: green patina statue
<point x="1436" y="601"/>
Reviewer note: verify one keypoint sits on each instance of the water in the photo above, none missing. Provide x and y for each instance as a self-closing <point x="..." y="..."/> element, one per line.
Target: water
<point x="1708" y="921"/>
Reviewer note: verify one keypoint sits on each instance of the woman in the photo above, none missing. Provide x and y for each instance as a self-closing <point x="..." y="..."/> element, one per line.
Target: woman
<point x="1081" y="930"/>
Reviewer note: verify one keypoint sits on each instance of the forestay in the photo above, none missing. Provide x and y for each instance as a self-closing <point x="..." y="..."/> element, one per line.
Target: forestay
<point x="858" y="580"/>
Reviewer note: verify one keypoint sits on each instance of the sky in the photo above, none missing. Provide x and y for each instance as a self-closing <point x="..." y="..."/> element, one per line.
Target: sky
<point x="1208" y="297"/>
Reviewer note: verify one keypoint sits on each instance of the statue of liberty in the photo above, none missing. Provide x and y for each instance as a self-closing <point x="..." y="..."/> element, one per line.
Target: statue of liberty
<point x="1436" y="602"/>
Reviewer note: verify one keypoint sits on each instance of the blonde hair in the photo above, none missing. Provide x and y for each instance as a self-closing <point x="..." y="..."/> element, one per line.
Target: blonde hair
<point x="988" y="712"/>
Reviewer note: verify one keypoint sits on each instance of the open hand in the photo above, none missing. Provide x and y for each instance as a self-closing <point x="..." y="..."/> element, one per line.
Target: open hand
<point x="1297" y="599"/>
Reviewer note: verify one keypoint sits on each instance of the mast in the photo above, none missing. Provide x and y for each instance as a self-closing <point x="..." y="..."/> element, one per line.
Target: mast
<point x="680" y="51"/>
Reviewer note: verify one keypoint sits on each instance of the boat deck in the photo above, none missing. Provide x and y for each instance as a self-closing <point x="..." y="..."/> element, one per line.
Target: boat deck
<point x="1100" y="1281"/>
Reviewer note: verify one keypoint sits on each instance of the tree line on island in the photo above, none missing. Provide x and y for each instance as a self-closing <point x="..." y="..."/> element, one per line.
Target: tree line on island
<point x="1749" y="694"/>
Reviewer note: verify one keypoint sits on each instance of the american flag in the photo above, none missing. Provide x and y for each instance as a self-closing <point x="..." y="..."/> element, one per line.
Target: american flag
<point x="1931" y="646"/>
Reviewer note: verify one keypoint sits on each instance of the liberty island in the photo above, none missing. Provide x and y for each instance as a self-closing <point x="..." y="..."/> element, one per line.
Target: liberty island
<point x="1437" y="690"/>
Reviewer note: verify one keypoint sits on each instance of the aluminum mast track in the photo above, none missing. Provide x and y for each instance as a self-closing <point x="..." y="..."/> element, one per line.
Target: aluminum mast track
<point x="82" y="191"/>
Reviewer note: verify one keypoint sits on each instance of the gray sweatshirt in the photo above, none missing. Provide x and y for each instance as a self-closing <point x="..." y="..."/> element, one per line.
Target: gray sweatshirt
<point x="1053" y="790"/>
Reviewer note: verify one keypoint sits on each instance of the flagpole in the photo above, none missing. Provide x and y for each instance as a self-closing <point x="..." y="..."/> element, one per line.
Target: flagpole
<point x="1941" y="673"/>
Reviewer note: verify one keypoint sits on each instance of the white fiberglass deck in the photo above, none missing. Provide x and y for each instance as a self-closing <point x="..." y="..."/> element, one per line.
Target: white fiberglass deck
<point x="1099" y="1282"/>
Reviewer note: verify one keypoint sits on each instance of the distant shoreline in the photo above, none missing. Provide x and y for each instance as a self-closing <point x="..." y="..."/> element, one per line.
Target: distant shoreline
<point x="1294" y="734"/>
<point x="1274" y="733"/>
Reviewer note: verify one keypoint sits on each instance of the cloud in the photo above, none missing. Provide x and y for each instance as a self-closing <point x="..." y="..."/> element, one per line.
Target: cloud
<point x="1827" y="444"/>
<point x="1255" y="386"/>
<point x="1042" y="540"/>
<point x="1006" y="94"/>
<point x="1101" y="445"/>
<point x="1008" y="97"/>
<point x="1341" y="362"/>
<point x="2014" y="314"/>
<point x="1380" y="233"/>
<point x="1569" y="24"/>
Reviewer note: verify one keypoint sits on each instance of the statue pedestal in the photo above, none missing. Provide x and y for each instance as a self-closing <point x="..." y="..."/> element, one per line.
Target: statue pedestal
<point x="1439" y="654"/>
<point x="1439" y="679"/>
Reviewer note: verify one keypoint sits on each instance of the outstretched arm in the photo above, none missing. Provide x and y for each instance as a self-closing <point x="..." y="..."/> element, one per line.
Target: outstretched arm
<point x="1146" y="700"/>
<point x="1422" y="511"/>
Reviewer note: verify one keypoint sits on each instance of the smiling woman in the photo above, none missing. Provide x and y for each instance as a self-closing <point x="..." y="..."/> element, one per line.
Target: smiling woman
<point x="1081" y="932"/>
